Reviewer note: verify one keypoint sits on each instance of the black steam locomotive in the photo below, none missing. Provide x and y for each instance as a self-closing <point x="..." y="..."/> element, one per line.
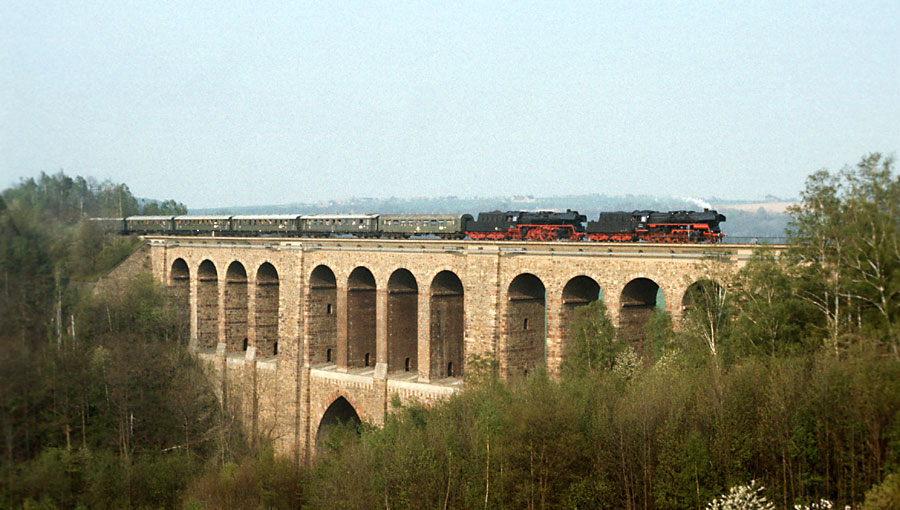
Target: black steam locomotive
<point x="648" y="226"/>
<point x="657" y="227"/>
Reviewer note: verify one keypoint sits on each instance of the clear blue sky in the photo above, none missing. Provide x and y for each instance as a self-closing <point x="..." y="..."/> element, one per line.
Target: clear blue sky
<point x="217" y="105"/>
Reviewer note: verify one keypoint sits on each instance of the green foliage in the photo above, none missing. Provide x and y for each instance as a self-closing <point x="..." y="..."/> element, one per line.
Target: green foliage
<point x="786" y="374"/>
<point x="592" y="344"/>
<point x="772" y="318"/>
<point x="165" y="208"/>
<point x="807" y="427"/>
<point x="65" y="199"/>
<point x="885" y="495"/>
<point x="253" y="481"/>
<point x="845" y="253"/>
<point x="101" y="404"/>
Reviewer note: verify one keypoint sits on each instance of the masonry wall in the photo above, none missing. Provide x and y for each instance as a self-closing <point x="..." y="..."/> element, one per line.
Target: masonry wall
<point x="282" y="396"/>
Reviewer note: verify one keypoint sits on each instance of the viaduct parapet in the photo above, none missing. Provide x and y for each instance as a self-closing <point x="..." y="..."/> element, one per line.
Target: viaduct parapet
<point x="305" y="333"/>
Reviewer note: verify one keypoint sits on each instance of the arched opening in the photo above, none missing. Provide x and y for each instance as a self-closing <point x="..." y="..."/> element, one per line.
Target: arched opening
<point x="235" y="306"/>
<point x="339" y="414"/>
<point x="360" y="348"/>
<point x="207" y="305"/>
<point x="322" y="322"/>
<point x="579" y="291"/>
<point x="447" y="325"/>
<point x="704" y="293"/>
<point x="180" y="289"/>
<point x="641" y="297"/>
<point x="402" y="321"/>
<point x="525" y="326"/>
<point x="704" y="303"/>
<point x="267" y="299"/>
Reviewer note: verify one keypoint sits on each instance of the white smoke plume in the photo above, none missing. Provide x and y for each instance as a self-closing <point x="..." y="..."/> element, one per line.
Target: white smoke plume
<point x="700" y="203"/>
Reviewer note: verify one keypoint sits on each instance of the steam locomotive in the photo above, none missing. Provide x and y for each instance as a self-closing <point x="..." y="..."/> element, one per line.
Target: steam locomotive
<point x="646" y="226"/>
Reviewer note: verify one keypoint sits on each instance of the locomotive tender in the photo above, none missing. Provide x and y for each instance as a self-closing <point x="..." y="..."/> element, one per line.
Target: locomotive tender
<point x="621" y="226"/>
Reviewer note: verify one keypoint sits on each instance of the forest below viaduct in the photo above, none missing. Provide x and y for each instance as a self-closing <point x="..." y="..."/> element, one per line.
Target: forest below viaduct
<point x="778" y="386"/>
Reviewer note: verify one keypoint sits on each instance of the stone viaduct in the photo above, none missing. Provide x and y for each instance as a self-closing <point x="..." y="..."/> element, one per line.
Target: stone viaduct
<point x="304" y="333"/>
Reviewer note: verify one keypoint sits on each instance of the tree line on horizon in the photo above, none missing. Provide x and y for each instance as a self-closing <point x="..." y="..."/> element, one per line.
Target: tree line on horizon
<point x="781" y="386"/>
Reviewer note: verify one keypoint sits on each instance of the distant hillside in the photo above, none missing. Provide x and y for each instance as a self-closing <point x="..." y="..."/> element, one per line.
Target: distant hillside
<point x="745" y="218"/>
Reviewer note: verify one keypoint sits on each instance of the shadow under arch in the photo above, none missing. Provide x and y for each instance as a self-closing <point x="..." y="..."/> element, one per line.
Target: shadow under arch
<point x="339" y="414"/>
<point x="704" y="304"/>
<point x="267" y="302"/>
<point x="579" y="291"/>
<point x="323" y="319"/>
<point x="447" y="333"/>
<point x="526" y="332"/>
<point x="180" y="289"/>
<point x="359" y="350"/>
<point x="402" y="322"/>
<point x="207" y="305"/>
<point x="640" y="298"/>
<point x="236" y="308"/>
<point x="701" y="292"/>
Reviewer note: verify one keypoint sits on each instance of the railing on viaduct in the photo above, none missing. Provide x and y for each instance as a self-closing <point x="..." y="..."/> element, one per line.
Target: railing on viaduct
<point x="306" y="331"/>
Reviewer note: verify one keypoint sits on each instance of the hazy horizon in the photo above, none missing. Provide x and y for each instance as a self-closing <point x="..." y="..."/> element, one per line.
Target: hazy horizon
<point x="217" y="105"/>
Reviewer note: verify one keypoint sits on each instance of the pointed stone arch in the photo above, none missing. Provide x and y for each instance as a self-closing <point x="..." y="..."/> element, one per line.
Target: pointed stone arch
<point x="236" y="311"/>
<point x="359" y="350"/>
<point x="447" y="312"/>
<point x="526" y="332"/>
<point x="207" y="305"/>
<point x="323" y="317"/>
<point x="339" y="413"/>
<point x="267" y="304"/>
<point x="402" y="322"/>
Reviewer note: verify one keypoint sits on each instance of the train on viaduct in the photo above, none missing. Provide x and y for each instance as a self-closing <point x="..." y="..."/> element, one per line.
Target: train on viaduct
<point x="303" y="333"/>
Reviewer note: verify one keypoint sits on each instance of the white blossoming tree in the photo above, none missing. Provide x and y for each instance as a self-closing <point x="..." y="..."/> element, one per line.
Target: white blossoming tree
<point x="742" y="497"/>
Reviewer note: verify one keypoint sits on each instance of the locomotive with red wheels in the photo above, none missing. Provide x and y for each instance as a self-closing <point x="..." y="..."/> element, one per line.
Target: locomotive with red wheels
<point x="527" y="225"/>
<point x="657" y="227"/>
<point x="646" y="226"/>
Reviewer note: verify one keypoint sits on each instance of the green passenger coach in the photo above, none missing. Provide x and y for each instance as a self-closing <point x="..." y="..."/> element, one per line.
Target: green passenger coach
<point x="442" y="225"/>
<point x="149" y="224"/>
<point x="211" y="224"/>
<point x="266" y="224"/>
<point x="363" y="225"/>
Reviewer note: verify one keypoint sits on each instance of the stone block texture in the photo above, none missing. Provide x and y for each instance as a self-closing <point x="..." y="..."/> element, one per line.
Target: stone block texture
<point x="301" y="331"/>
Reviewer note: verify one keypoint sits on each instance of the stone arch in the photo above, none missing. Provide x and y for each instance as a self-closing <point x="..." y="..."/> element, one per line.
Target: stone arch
<point x="579" y="291"/>
<point x="180" y="287"/>
<point x="361" y="292"/>
<point x="339" y="413"/>
<point x="447" y="312"/>
<point x="207" y="305"/>
<point x="526" y="311"/>
<point x="236" y="311"/>
<point x="402" y="322"/>
<point x="267" y="302"/>
<point x="709" y="296"/>
<point x="640" y="298"/>
<point x="322" y="309"/>
<point x="701" y="290"/>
